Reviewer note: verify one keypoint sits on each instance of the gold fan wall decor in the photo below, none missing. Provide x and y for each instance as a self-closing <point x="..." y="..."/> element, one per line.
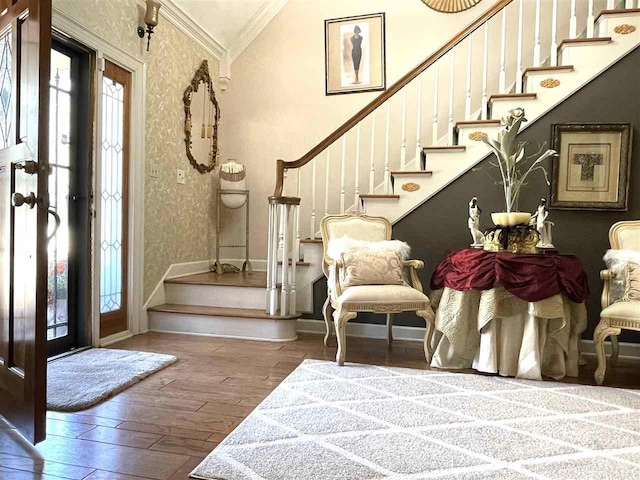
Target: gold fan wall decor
<point x="450" y="6"/>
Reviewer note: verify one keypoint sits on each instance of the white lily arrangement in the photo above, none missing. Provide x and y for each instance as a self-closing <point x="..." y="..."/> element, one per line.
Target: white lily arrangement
<point x="512" y="161"/>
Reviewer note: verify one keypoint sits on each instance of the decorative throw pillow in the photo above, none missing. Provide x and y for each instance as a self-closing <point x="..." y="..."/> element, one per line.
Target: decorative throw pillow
<point x="632" y="283"/>
<point x="620" y="262"/>
<point x="365" y="267"/>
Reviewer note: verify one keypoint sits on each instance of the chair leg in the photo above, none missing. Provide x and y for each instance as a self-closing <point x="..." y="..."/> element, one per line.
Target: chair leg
<point x="430" y="320"/>
<point x="615" y="349"/>
<point x="340" y="318"/>
<point x="326" y="311"/>
<point x="389" y="328"/>
<point x="603" y="330"/>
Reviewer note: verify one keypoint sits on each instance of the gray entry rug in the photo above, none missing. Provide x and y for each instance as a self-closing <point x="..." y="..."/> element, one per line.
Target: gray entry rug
<point x="363" y="422"/>
<point x="78" y="381"/>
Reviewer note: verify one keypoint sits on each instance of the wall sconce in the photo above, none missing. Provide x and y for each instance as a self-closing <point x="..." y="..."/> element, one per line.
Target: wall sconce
<point x="151" y="19"/>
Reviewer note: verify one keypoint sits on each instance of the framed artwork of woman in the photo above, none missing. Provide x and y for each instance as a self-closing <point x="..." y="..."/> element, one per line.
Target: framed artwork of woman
<point x="355" y="54"/>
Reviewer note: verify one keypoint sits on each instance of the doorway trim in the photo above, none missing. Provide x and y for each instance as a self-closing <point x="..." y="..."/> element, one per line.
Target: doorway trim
<point x="136" y="321"/>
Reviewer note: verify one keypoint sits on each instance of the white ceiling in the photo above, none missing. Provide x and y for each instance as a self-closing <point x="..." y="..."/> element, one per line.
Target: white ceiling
<point x="224" y="20"/>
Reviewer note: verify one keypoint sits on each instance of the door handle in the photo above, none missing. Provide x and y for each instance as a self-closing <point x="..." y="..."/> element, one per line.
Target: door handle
<point x="56" y="217"/>
<point x="18" y="200"/>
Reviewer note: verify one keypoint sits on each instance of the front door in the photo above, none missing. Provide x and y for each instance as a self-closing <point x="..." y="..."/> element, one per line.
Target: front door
<point x="25" y="44"/>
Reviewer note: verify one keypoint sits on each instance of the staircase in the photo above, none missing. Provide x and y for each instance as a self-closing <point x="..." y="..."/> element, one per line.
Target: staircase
<point x="409" y="143"/>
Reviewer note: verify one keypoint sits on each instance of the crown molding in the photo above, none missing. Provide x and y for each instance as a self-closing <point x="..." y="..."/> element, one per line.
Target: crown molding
<point x="191" y="28"/>
<point x="253" y="28"/>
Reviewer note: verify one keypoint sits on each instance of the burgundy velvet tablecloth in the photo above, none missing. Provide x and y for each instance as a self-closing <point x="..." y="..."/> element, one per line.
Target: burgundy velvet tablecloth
<point x="529" y="277"/>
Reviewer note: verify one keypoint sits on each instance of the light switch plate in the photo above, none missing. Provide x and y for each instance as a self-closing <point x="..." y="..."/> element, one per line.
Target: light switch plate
<point x="181" y="177"/>
<point x="154" y="170"/>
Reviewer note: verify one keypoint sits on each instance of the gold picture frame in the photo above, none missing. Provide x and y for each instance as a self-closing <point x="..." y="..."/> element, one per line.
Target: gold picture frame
<point x="355" y="54"/>
<point x="591" y="171"/>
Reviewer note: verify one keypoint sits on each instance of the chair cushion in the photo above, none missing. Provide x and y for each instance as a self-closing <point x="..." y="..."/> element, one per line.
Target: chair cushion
<point x="383" y="298"/>
<point x="363" y="267"/>
<point x="623" y="310"/>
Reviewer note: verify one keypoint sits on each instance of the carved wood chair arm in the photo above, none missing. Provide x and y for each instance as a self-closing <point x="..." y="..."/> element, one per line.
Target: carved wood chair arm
<point x="334" y="267"/>
<point x="606" y="276"/>
<point x="414" y="266"/>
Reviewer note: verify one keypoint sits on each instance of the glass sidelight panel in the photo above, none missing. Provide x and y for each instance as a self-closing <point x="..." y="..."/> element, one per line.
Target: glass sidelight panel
<point x="114" y="144"/>
<point x="5" y="89"/>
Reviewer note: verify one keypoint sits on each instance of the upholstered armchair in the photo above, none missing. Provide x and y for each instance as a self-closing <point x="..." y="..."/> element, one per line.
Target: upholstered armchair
<point x="617" y="313"/>
<point x="347" y="302"/>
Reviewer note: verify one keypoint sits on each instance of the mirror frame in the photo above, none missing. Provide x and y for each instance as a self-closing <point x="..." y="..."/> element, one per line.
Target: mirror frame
<point x="201" y="75"/>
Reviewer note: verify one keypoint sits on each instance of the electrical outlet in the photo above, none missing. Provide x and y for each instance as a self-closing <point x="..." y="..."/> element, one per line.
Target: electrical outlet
<point x="154" y="170"/>
<point x="181" y="177"/>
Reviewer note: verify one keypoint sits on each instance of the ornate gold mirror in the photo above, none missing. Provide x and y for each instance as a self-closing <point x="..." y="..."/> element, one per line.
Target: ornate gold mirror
<point x="202" y="116"/>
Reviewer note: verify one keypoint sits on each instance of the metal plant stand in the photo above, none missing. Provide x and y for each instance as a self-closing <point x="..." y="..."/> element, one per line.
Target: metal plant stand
<point x="246" y="266"/>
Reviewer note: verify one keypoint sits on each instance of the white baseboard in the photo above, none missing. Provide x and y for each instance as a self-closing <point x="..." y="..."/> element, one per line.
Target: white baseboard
<point x="364" y="330"/>
<point x="235" y="337"/>
<point x="116" y="337"/>
<point x="627" y="350"/>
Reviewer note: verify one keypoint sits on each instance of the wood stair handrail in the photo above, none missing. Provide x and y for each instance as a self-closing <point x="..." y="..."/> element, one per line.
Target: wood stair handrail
<point x="384" y="96"/>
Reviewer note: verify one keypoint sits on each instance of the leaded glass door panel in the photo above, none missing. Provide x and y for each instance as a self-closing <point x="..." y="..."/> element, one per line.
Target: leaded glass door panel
<point x="113" y="198"/>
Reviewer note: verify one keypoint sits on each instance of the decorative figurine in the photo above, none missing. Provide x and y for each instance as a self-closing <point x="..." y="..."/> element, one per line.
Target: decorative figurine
<point x="543" y="226"/>
<point x="474" y="224"/>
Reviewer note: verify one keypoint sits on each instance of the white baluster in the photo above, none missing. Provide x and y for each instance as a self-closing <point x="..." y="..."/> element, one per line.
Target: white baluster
<point x="554" y="35"/>
<point x="573" y="21"/>
<point x="467" y="100"/>
<point x="590" y="20"/>
<point x="451" y="96"/>
<point x="356" y="199"/>
<point x="372" y="169"/>
<point x="284" y="293"/>
<point x="502" y="78"/>
<point x="296" y="245"/>
<point x="280" y="233"/>
<point x="611" y="4"/>
<point x="536" y="45"/>
<point x="342" y="173"/>
<point x="326" y="183"/>
<point x="436" y="78"/>
<point x="312" y="231"/>
<point x="628" y="4"/>
<point x="403" y="147"/>
<point x="387" y="172"/>
<point x="519" y="53"/>
<point x="485" y="62"/>
<point x="272" y="264"/>
<point x="294" y="260"/>
<point x="419" y="120"/>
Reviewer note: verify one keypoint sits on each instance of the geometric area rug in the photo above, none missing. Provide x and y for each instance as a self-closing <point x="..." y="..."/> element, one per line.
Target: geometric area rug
<point x="367" y="422"/>
<point x="80" y="380"/>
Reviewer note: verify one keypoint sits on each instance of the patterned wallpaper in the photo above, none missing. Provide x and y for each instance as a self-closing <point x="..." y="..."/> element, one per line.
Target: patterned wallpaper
<point x="179" y="219"/>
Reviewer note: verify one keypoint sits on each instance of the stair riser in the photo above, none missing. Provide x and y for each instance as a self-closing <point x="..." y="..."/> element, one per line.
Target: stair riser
<point x="500" y="109"/>
<point x="218" y="326"/>
<point x="215" y="296"/>
<point x="582" y="56"/>
<point x="534" y="84"/>
<point x="464" y="132"/>
<point x="607" y="24"/>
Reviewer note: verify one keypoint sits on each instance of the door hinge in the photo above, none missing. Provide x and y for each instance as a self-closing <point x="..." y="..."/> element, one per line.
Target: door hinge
<point x="102" y="64"/>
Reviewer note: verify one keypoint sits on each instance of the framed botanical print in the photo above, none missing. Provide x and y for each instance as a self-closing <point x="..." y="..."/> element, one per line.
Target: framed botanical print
<point x="355" y="54"/>
<point x="591" y="171"/>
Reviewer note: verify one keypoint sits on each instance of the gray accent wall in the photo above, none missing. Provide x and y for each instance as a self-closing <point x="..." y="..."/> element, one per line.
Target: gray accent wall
<point x="440" y="224"/>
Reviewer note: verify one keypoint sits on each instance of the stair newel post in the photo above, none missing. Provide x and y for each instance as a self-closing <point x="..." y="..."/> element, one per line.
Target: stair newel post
<point x="356" y="180"/>
<point x="553" y="59"/>
<point x="590" y="20"/>
<point x="502" y="78"/>
<point x="272" y="260"/>
<point x="573" y="21"/>
<point x="342" y="173"/>
<point x="519" y="52"/>
<point x="294" y="260"/>
<point x="536" y="45"/>
<point x="485" y="63"/>
<point x="403" y="148"/>
<point x="284" y="291"/>
<point x="281" y="232"/>
<point x="312" y="230"/>
<point x="467" y="100"/>
<point x="326" y="182"/>
<point x="418" y="120"/>
<point x="387" y="171"/>
<point x="372" y="168"/>
<point x="436" y="79"/>
<point x="452" y="75"/>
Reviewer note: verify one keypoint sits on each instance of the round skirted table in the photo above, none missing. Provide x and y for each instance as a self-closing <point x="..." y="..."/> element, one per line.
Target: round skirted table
<point x="517" y="315"/>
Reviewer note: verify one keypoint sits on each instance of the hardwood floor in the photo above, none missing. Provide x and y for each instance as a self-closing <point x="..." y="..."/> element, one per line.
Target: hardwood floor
<point x="162" y="427"/>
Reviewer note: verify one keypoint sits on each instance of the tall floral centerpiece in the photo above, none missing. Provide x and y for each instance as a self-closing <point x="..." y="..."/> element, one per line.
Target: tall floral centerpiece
<point x="512" y="230"/>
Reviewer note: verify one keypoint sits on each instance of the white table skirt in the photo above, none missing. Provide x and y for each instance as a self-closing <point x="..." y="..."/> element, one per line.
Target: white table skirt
<point x="492" y="331"/>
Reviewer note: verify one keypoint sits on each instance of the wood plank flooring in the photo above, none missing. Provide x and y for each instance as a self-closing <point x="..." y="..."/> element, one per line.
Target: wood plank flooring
<point x="162" y="427"/>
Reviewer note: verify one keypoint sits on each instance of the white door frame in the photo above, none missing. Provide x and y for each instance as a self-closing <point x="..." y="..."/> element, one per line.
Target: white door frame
<point x="135" y="294"/>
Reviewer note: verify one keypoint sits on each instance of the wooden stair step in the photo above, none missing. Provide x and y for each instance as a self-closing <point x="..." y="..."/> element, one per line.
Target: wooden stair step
<point x="241" y="279"/>
<point x="445" y="148"/>
<point x="383" y="196"/>
<point x="478" y="123"/>
<point x="578" y="41"/>
<point x="513" y="96"/>
<point x="411" y="172"/>
<point x="632" y="11"/>
<point x="558" y="69"/>
<point x="311" y="240"/>
<point x="240" y="313"/>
